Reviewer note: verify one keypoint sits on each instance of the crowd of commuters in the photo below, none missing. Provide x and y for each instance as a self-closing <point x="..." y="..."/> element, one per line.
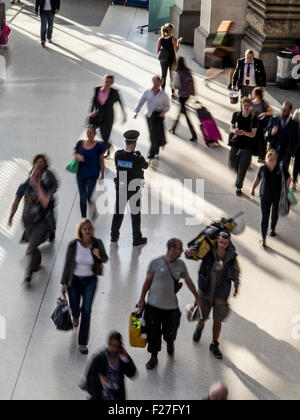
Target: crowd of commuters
<point x="252" y="129"/>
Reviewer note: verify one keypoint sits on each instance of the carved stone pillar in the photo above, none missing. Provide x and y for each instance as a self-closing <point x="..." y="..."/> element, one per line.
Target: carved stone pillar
<point x="213" y="12"/>
<point x="272" y="24"/>
<point x="185" y="15"/>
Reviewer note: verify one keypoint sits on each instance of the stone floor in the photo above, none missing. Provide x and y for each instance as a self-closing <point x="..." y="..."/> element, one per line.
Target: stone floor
<point x="47" y="95"/>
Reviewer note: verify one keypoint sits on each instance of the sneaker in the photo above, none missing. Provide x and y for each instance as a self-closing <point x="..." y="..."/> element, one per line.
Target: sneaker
<point x="50" y="41"/>
<point x="153" y="362"/>
<point x="84" y="350"/>
<point x="170" y="348"/>
<point x="239" y="192"/>
<point x="214" y="348"/>
<point x="197" y="335"/>
<point x="273" y="233"/>
<point x="141" y="241"/>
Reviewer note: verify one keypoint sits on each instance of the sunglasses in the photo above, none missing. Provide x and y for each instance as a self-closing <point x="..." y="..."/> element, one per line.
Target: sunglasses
<point x="225" y="235"/>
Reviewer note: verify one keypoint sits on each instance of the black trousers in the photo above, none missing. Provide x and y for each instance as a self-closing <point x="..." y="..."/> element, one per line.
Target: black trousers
<point x="161" y="323"/>
<point x="184" y="112"/>
<point x="36" y="235"/>
<point x="266" y="206"/>
<point x="296" y="170"/>
<point x="239" y="160"/>
<point x="164" y="73"/>
<point x="105" y="125"/>
<point x="157" y="133"/>
<point x="122" y="198"/>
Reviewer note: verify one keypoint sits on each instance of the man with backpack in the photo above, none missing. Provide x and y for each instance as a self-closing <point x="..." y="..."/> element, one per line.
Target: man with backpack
<point x="185" y="84"/>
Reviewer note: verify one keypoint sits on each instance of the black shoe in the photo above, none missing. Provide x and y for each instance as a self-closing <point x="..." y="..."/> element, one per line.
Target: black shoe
<point x="172" y="130"/>
<point x="114" y="239"/>
<point x="273" y="233"/>
<point x="52" y="237"/>
<point x="170" y="348"/>
<point x="141" y="241"/>
<point x="214" y="348"/>
<point x="108" y="150"/>
<point x="197" y="335"/>
<point x="43" y="44"/>
<point x="193" y="140"/>
<point x="84" y="350"/>
<point x="239" y="193"/>
<point x="28" y="279"/>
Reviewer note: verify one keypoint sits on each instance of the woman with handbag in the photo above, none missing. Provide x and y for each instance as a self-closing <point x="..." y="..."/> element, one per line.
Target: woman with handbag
<point x="84" y="262"/>
<point x="167" y="48"/>
<point x="90" y="155"/>
<point x="270" y="177"/>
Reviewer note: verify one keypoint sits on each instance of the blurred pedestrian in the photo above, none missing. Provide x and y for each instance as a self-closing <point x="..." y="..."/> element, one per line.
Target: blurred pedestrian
<point x="84" y="260"/>
<point x="2" y="15"/>
<point x="296" y="171"/>
<point x="185" y="84"/>
<point x="37" y="216"/>
<point x="264" y="112"/>
<point x="90" y="155"/>
<point x="102" y="111"/>
<point x="270" y="178"/>
<point x="130" y="166"/>
<point x="158" y="105"/>
<point x="283" y="134"/>
<point x="219" y="269"/>
<point x="249" y="73"/>
<point x="106" y="374"/>
<point x="167" y="48"/>
<point x="243" y="142"/>
<point x="48" y="10"/>
<point x="162" y="314"/>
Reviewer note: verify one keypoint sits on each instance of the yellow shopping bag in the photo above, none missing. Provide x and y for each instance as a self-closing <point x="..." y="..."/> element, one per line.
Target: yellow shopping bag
<point x="135" y="332"/>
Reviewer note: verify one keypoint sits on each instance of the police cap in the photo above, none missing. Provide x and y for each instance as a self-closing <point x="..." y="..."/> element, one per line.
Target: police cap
<point x="132" y="135"/>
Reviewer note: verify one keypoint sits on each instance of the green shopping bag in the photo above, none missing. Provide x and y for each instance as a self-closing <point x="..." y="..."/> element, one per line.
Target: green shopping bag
<point x="73" y="166"/>
<point x="291" y="197"/>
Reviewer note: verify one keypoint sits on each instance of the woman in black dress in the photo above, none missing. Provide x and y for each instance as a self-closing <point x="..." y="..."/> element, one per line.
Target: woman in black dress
<point x="170" y="45"/>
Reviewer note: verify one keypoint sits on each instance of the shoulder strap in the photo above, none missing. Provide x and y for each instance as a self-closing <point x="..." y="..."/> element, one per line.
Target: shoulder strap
<point x="170" y="271"/>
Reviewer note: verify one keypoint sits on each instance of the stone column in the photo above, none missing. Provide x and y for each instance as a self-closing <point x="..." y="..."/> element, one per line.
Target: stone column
<point x="185" y="15"/>
<point x="213" y="12"/>
<point x="272" y="24"/>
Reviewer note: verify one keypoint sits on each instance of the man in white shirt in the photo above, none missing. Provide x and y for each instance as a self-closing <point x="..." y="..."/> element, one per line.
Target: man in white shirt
<point x="158" y="104"/>
<point x="48" y="10"/>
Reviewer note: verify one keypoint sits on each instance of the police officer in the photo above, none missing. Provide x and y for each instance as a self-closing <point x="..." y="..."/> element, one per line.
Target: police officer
<point x="130" y="167"/>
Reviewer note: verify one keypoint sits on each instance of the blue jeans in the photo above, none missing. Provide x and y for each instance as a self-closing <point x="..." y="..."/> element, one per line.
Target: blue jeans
<point x="84" y="288"/>
<point x="86" y="186"/>
<point x="47" y="19"/>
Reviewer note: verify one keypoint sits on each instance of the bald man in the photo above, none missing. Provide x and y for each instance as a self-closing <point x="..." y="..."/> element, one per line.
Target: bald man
<point x="218" y="392"/>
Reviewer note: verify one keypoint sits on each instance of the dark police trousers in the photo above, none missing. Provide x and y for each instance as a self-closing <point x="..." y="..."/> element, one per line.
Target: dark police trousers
<point x="121" y="192"/>
<point x="266" y="206"/>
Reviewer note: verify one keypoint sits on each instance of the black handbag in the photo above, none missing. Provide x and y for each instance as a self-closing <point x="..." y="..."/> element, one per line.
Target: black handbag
<point x="62" y="315"/>
<point x="163" y="56"/>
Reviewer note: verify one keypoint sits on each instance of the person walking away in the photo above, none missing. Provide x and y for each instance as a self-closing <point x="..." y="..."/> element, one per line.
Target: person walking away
<point x="185" y="84"/>
<point x="48" y="10"/>
<point x="283" y="134"/>
<point x="264" y="112"/>
<point x="130" y="166"/>
<point x="167" y="48"/>
<point x="106" y="374"/>
<point x="79" y="278"/>
<point x="296" y="171"/>
<point x="162" y="314"/>
<point x="37" y="205"/>
<point x="249" y="73"/>
<point x="270" y="178"/>
<point x="219" y="269"/>
<point x="102" y="110"/>
<point x="90" y="155"/>
<point x="158" y="105"/>
<point x="243" y="141"/>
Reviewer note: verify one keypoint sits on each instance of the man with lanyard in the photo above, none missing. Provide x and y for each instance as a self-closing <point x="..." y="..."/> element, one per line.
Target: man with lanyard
<point x="130" y="167"/>
<point x="283" y="134"/>
<point x="158" y="104"/>
<point x="38" y="206"/>
<point x="249" y="73"/>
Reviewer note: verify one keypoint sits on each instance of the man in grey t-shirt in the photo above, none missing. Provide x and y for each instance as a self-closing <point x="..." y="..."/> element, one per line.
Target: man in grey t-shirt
<point x="162" y="314"/>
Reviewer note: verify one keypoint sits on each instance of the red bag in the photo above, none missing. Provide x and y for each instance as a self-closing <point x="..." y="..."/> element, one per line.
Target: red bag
<point x="4" y="35"/>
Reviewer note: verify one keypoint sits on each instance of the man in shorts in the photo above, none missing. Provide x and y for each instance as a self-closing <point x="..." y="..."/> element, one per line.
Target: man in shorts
<point x="217" y="272"/>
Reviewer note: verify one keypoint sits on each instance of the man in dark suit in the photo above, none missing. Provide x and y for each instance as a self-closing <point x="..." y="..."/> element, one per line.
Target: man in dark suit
<point x="102" y="111"/>
<point x="283" y="134"/>
<point x="249" y="74"/>
<point x="48" y="10"/>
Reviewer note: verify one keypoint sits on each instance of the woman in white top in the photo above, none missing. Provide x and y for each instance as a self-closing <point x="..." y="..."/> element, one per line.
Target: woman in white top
<point x="84" y="258"/>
